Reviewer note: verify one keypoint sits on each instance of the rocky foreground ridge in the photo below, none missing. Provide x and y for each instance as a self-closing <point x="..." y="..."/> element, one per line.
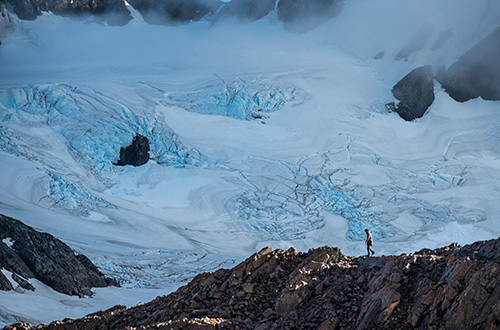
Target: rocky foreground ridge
<point x="447" y="288"/>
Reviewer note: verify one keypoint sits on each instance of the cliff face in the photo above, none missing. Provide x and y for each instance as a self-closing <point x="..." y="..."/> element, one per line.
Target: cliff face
<point x="447" y="288"/>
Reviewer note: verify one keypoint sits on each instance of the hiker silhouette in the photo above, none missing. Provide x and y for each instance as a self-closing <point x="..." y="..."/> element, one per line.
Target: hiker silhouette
<point x="369" y="243"/>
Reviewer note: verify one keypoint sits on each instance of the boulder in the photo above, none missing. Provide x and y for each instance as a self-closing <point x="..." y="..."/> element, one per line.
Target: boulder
<point x="28" y="253"/>
<point x="415" y="93"/>
<point x="476" y="73"/>
<point x="136" y="154"/>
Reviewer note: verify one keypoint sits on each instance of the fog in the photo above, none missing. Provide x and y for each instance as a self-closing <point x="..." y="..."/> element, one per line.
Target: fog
<point x="52" y="47"/>
<point x="48" y="47"/>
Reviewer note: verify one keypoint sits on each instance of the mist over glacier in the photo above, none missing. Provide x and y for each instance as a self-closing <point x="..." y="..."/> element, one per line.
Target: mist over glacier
<point x="259" y="136"/>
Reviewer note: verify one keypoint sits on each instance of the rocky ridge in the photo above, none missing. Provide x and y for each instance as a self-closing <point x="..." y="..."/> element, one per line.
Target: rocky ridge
<point x="27" y="253"/>
<point x="448" y="288"/>
<point x="296" y="14"/>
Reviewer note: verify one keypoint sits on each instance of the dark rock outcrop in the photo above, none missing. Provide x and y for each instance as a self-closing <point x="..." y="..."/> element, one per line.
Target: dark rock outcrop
<point x="136" y="154"/>
<point x="30" y="254"/>
<point x="114" y="12"/>
<point x="448" y="288"/>
<point x="476" y="73"/>
<point x="174" y="11"/>
<point x="304" y="15"/>
<point x="415" y="93"/>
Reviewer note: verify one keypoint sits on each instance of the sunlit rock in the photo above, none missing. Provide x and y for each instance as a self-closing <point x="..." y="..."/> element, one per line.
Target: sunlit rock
<point x="446" y="288"/>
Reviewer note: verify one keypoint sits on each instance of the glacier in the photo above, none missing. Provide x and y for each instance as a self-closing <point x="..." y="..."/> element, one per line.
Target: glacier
<point x="92" y="128"/>
<point x="238" y="98"/>
<point x="258" y="136"/>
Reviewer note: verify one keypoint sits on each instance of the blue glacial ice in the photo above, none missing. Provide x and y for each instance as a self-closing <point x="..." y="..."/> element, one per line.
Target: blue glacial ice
<point x="239" y="99"/>
<point x="140" y="269"/>
<point x="293" y="203"/>
<point x="93" y="125"/>
<point x="93" y="128"/>
<point x="286" y="201"/>
<point x="71" y="197"/>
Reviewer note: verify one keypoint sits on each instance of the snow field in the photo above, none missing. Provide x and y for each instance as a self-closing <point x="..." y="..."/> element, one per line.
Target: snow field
<point x="258" y="137"/>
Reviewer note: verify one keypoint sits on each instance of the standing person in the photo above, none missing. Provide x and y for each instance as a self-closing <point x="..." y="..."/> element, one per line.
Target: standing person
<point x="369" y="242"/>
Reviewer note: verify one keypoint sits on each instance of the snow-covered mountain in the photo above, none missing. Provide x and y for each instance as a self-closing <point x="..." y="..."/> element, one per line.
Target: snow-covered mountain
<point x="259" y="135"/>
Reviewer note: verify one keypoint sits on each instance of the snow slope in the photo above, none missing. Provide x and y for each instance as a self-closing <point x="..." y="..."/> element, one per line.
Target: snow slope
<point x="258" y="137"/>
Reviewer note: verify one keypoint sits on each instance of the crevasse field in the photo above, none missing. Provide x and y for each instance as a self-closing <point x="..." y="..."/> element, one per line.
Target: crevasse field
<point x="259" y="137"/>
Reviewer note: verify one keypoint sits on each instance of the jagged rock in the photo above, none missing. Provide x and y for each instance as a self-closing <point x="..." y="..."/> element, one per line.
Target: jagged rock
<point x="174" y="11"/>
<point x="114" y="12"/>
<point x="304" y="15"/>
<point x="448" y="288"/>
<point x="31" y="254"/>
<point x="476" y="73"/>
<point x="136" y="154"/>
<point x="415" y="93"/>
